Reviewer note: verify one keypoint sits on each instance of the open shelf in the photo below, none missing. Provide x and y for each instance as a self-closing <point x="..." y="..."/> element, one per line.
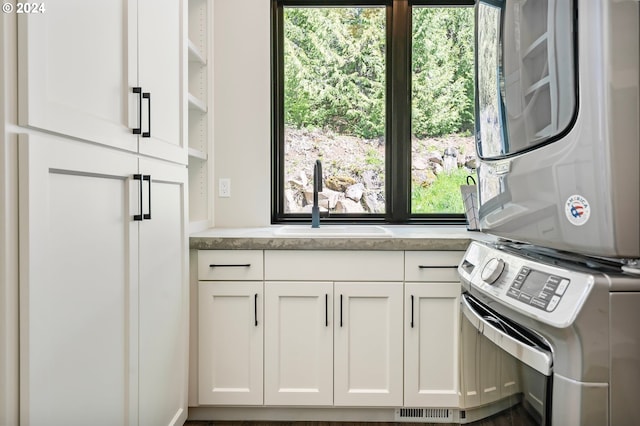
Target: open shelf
<point x="197" y="104"/>
<point x="198" y="154"/>
<point x="196" y="55"/>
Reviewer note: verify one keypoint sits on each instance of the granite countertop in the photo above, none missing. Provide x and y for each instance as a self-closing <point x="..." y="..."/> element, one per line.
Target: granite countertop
<point x="336" y="237"/>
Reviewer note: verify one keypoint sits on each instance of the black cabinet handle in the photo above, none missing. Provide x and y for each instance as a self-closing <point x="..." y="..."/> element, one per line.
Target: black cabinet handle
<point x="148" y="179"/>
<point x="139" y="217"/>
<point x="143" y="215"/>
<point x="412" y="311"/>
<point x="437" y="267"/>
<point x="255" y="308"/>
<point x="147" y="95"/>
<point x="326" y="310"/>
<point x="138" y="91"/>
<point x="237" y="265"/>
<point x="340" y="310"/>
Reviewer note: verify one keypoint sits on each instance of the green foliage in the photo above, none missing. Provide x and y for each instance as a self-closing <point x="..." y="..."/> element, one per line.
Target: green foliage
<point x="335" y="66"/>
<point x="442" y="196"/>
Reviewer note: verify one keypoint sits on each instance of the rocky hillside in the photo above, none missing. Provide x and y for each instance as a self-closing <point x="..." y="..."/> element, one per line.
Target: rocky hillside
<point x="353" y="168"/>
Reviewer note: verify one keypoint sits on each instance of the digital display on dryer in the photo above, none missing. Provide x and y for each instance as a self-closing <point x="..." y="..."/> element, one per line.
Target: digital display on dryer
<point x="538" y="289"/>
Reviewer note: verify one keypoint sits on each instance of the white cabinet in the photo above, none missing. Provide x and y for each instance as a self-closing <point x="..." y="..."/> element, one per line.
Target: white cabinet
<point x="80" y="61"/>
<point x="230" y="342"/>
<point x="298" y="343"/>
<point x="348" y="327"/>
<point x="163" y="296"/>
<point x="103" y="298"/>
<point x="432" y="330"/>
<point x="231" y="327"/>
<point x="368" y="344"/>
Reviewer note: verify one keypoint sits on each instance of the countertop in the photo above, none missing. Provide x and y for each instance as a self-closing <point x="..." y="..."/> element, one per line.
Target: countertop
<point x="294" y="237"/>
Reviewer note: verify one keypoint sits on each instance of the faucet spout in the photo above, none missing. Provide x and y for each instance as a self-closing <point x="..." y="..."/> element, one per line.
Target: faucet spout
<point x="317" y="187"/>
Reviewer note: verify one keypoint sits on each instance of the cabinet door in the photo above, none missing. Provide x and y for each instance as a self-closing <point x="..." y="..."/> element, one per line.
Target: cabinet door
<point x="161" y="56"/>
<point x="470" y="364"/>
<point x="230" y="343"/>
<point x="78" y="284"/>
<point x="163" y="297"/>
<point x="368" y="344"/>
<point x="298" y="343"/>
<point x="77" y="64"/>
<point x="432" y="328"/>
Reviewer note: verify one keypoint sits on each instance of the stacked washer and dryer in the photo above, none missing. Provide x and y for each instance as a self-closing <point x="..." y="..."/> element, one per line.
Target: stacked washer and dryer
<point x="558" y="139"/>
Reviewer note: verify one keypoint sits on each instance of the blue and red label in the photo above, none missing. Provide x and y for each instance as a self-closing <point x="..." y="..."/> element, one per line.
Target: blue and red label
<point x="577" y="209"/>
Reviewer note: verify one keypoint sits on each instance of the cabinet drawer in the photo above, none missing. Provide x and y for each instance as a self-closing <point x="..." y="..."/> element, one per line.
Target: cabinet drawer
<point x="330" y="265"/>
<point x="438" y="266"/>
<point x="230" y="265"/>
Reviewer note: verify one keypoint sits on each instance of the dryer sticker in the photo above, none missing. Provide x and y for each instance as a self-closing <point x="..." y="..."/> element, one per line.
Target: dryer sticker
<point x="577" y="209"/>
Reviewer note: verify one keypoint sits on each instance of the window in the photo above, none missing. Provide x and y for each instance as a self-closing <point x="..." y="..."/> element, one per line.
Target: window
<point x="382" y="93"/>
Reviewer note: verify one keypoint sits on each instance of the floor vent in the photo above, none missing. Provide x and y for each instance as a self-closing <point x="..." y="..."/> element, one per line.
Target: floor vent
<point x="424" y="414"/>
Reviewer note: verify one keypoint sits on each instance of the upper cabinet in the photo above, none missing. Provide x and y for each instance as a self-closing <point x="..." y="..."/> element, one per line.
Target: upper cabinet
<point x="101" y="72"/>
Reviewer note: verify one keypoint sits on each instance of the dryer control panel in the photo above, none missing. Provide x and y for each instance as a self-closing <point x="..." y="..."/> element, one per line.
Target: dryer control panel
<point x="539" y="289"/>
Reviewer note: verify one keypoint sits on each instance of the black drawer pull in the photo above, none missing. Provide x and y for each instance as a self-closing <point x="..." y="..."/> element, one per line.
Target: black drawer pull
<point x="412" y="311"/>
<point x="255" y="309"/>
<point x="437" y="267"/>
<point x="237" y="265"/>
<point x="340" y="310"/>
<point x="326" y="310"/>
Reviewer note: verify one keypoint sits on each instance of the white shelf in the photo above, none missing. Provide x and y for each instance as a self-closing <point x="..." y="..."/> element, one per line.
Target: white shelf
<point x="197" y="104"/>
<point x="196" y="55"/>
<point x="196" y="153"/>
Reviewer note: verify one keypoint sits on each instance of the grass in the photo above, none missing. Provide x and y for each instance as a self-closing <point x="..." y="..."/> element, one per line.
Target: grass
<point x="443" y="196"/>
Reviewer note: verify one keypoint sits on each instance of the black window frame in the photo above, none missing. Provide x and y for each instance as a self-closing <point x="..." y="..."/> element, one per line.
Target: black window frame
<point x="397" y="113"/>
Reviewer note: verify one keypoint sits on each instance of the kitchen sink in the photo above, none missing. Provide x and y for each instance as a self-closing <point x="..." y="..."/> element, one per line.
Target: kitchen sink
<point x="333" y="231"/>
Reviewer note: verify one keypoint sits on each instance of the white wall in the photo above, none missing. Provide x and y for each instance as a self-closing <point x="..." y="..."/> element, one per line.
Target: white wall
<point x="241" y="111"/>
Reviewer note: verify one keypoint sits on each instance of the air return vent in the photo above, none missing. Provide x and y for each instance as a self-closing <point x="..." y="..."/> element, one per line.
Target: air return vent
<point x="438" y="415"/>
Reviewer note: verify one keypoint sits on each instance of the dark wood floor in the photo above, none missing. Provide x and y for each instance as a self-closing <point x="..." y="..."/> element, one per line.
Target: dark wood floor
<point x="507" y="418"/>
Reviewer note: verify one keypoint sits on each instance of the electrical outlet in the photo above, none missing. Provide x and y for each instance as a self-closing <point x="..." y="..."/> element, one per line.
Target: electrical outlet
<point x="224" y="188"/>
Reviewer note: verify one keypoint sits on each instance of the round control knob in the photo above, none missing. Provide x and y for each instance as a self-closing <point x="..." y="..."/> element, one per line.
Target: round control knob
<point x="492" y="270"/>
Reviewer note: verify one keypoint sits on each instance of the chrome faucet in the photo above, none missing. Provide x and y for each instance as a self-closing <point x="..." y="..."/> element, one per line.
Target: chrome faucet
<point x="317" y="187"/>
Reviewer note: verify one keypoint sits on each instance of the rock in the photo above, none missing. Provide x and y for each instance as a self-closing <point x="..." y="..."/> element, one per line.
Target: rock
<point x="326" y="198"/>
<point x="299" y="180"/>
<point x="339" y="183"/>
<point x="419" y="164"/>
<point x="434" y="157"/>
<point x="471" y="162"/>
<point x="354" y="192"/>
<point x="371" y="179"/>
<point x="374" y="202"/>
<point x="348" y="206"/>
<point x="423" y="178"/>
<point x="436" y="168"/>
<point x="450" y="164"/>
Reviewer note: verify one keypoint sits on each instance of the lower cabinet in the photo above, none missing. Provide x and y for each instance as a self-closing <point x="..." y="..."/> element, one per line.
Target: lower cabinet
<point x="298" y="343"/>
<point x="431" y="367"/>
<point x="333" y="334"/>
<point x="231" y="338"/>
<point x="368" y="344"/>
